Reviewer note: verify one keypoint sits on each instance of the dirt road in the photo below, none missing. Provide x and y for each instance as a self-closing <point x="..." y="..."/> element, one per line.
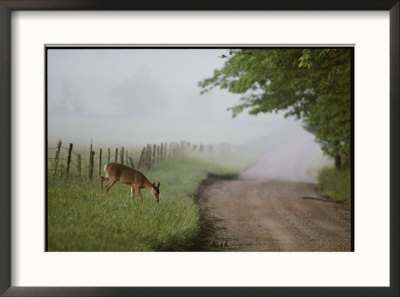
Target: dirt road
<point x="260" y="212"/>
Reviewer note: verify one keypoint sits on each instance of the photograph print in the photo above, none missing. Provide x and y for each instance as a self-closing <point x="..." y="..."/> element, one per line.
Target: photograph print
<point x="243" y="149"/>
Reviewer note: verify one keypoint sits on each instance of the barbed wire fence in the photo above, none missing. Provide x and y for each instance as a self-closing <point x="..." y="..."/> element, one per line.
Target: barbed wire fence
<point x="64" y="161"/>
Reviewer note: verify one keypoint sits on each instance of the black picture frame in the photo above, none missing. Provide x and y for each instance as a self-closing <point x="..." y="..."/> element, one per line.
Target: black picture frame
<point x="7" y="6"/>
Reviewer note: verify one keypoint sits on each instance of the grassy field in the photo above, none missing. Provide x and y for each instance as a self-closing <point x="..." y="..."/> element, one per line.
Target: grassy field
<point x="80" y="218"/>
<point x="336" y="183"/>
<point x="333" y="183"/>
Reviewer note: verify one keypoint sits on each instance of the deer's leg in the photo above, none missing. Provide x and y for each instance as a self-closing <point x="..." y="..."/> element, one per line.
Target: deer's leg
<point x="102" y="178"/>
<point x="110" y="184"/>
<point x="132" y="193"/>
<point x="139" y="194"/>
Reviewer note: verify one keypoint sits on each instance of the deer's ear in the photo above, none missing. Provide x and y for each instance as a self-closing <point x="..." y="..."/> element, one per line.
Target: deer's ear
<point x="154" y="184"/>
<point x="158" y="184"/>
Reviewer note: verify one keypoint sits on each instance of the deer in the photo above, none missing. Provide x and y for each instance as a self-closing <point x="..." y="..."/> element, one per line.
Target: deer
<point x="118" y="172"/>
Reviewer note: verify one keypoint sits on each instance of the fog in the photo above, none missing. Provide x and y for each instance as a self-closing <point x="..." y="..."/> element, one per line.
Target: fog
<point x="137" y="96"/>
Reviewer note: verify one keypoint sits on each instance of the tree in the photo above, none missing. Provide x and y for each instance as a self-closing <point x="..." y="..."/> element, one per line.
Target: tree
<point x="311" y="84"/>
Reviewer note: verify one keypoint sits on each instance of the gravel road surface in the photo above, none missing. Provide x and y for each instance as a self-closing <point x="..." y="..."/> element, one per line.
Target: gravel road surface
<point x="273" y="206"/>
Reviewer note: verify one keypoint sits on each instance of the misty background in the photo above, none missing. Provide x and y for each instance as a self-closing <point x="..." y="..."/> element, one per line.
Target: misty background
<point x="137" y="96"/>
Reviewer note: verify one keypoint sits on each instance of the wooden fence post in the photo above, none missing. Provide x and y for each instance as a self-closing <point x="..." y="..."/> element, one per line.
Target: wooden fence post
<point x="100" y="153"/>
<point x="148" y="156"/>
<point x="108" y="155"/>
<point x="141" y="159"/>
<point x="154" y="155"/>
<point x="116" y="155"/>
<point x="78" y="164"/>
<point x="145" y="156"/>
<point x="126" y="157"/>
<point x="131" y="161"/>
<point x="121" y="155"/>
<point x="68" y="160"/>
<point x="91" y="163"/>
<point x="57" y="156"/>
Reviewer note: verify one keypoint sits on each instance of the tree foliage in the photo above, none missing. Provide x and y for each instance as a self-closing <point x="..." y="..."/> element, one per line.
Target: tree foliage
<point x="311" y="84"/>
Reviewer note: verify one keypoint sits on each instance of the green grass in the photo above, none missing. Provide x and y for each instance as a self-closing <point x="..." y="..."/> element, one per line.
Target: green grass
<point x="80" y="218"/>
<point x="336" y="183"/>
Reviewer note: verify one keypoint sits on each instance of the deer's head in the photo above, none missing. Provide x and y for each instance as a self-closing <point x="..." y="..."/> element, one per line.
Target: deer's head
<point x="155" y="191"/>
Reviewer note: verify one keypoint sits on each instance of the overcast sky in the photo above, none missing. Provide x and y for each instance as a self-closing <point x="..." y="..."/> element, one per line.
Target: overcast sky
<point x="138" y="96"/>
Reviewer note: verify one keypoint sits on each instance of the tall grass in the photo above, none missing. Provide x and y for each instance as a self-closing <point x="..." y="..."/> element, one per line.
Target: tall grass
<point x="80" y="218"/>
<point x="336" y="183"/>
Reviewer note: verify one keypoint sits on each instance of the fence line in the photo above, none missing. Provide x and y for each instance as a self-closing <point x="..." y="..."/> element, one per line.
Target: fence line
<point x="75" y="165"/>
